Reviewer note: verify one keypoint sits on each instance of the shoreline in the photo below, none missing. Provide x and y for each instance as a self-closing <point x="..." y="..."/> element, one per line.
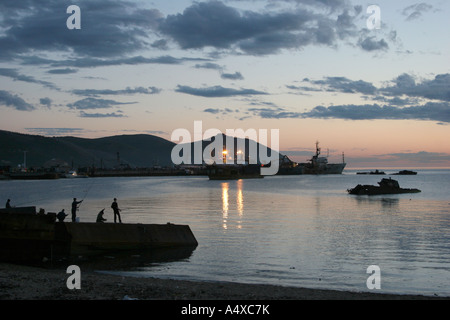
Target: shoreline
<point x="19" y="282"/>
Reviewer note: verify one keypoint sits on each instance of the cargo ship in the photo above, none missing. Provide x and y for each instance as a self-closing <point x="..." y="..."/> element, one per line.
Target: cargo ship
<point x="316" y="165"/>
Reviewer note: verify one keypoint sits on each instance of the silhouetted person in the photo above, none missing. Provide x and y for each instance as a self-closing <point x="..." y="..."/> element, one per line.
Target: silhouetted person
<point x="75" y="204"/>
<point x="61" y="215"/>
<point x="100" y="218"/>
<point x="116" y="210"/>
<point x="8" y="205"/>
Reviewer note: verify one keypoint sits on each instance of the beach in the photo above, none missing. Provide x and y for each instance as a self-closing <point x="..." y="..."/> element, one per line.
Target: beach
<point x="19" y="282"/>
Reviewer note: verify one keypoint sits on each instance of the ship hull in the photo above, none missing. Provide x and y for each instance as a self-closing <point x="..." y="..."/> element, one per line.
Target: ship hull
<point x="330" y="168"/>
<point x="307" y="168"/>
<point x="234" y="172"/>
<point x="375" y="190"/>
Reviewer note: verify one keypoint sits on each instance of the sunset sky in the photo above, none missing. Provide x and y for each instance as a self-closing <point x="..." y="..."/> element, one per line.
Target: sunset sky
<point x="311" y="68"/>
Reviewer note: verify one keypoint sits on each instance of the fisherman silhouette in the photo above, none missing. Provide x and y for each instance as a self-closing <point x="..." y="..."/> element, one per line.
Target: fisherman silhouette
<point x="75" y="204"/>
<point x="8" y="205"/>
<point x="100" y="218"/>
<point x="116" y="210"/>
<point x="61" y="215"/>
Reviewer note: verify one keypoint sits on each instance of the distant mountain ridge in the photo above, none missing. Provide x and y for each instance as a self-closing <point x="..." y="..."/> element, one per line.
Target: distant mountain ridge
<point x="134" y="150"/>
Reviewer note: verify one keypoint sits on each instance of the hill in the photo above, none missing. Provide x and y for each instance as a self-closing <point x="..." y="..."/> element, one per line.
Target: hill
<point x="133" y="150"/>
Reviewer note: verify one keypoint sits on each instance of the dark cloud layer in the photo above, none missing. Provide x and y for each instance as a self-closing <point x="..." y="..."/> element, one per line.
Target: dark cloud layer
<point x="55" y="131"/>
<point x="16" y="76"/>
<point x="429" y="111"/>
<point x="114" y="32"/>
<point x="342" y="84"/>
<point x="127" y="91"/>
<point x="108" y="28"/>
<point x="94" y="103"/>
<point x="437" y="88"/>
<point x="84" y="114"/>
<point x="14" y="101"/>
<point x="214" y="24"/>
<point x="217" y="91"/>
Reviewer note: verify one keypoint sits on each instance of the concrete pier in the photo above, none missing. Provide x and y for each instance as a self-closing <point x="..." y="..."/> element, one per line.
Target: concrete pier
<point x="25" y="235"/>
<point x="92" y="237"/>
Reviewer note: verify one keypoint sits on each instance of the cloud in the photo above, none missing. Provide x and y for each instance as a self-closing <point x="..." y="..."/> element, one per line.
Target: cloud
<point x="421" y="156"/>
<point x="342" y="84"/>
<point x="127" y="91"/>
<point x="46" y="102"/>
<point x="223" y="75"/>
<point x="108" y="28"/>
<point x="88" y="62"/>
<point x="216" y="25"/>
<point x="224" y="111"/>
<point x="232" y="76"/>
<point x="416" y="11"/>
<point x="371" y="44"/>
<point x="213" y="111"/>
<point x="62" y="71"/>
<point x="14" y="101"/>
<point x="209" y="65"/>
<point x="160" y="44"/>
<point x="93" y="103"/>
<point x="277" y="113"/>
<point x="101" y="115"/>
<point x="405" y="84"/>
<point x="217" y="91"/>
<point x="16" y="76"/>
<point x="404" y="98"/>
<point x="329" y="4"/>
<point x="113" y="32"/>
<point x="54" y="131"/>
<point x="429" y="111"/>
<point x="437" y="88"/>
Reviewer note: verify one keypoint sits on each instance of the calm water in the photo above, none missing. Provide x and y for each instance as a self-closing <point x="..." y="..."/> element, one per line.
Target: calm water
<point x="303" y="231"/>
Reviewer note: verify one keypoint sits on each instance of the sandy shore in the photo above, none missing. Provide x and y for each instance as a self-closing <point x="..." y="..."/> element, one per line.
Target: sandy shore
<point x="18" y="282"/>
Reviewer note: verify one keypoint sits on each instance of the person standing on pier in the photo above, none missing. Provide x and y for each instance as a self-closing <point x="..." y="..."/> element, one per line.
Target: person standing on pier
<point x="75" y="204"/>
<point x="8" y="205"/>
<point x="116" y="210"/>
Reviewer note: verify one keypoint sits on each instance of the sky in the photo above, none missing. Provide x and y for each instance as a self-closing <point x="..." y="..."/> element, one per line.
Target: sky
<point x="317" y="70"/>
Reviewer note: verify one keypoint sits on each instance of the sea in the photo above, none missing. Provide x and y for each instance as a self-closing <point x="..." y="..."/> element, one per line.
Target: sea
<point x="297" y="231"/>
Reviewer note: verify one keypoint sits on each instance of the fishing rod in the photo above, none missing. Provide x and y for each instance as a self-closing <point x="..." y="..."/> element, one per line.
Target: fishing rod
<point x="86" y="193"/>
<point x="33" y="201"/>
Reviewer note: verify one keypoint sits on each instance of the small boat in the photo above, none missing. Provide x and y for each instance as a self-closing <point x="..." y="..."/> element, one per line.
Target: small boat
<point x="386" y="186"/>
<point x="404" y="172"/>
<point x="372" y="172"/>
<point x="74" y="174"/>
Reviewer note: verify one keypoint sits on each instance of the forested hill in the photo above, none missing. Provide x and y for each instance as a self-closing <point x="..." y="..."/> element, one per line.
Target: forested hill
<point x="133" y="150"/>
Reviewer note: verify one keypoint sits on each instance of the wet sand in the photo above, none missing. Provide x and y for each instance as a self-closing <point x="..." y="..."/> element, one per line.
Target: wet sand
<point x="18" y="282"/>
